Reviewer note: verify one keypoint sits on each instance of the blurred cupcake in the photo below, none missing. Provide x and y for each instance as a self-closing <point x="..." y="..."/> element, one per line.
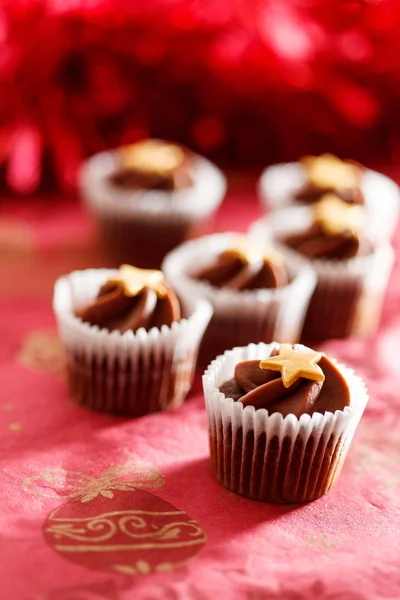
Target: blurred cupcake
<point x="131" y="343"/>
<point x="257" y="294"/>
<point x="281" y="420"/>
<point x="307" y="181"/>
<point x="149" y="197"/>
<point x="352" y="270"/>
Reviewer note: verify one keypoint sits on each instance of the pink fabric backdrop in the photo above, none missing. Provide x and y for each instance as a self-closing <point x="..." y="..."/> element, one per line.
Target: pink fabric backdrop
<point x="74" y="484"/>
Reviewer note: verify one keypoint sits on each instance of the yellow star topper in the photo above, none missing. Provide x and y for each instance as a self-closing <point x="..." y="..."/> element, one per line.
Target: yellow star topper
<point x="135" y="280"/>
<point x="294" y="364"/>
<point x="336" y="216"/>
<point x="251" y="253"/>
<point x="152" y="156"/>
<point x="328" y="171"/>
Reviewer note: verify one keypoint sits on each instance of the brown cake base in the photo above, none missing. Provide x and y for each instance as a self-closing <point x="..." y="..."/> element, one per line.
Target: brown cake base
<point x="332" y="312"/>
<point x="290" y="471"/>
<point x="144" y="243"/>
<point x="149" y="388"/>
<point x="227" y="331"/>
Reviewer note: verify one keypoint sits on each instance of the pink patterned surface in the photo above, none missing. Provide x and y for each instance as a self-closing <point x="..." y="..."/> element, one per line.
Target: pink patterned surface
<point x="199" y="542"/>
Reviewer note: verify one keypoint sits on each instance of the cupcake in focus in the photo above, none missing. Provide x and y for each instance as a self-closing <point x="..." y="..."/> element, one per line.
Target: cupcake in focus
<point x="312" y="177"/>
<point x="149" y="197"/>
<point x="256" y="293"/>
<point x="352" y="270"/>
<point x="281" y="419"/>
<point x="131" y="343"/>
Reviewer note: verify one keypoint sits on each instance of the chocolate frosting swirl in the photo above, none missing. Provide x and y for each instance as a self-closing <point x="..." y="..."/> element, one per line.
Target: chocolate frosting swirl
<point x="153" y="165"/>
<point x="312" y="192"/>
<point x="261" y="388"/>
<point x="114" y="310"/>
<point x="315" y="243"/>
<point x="232" y="271"/>
<point x="134" y="179"/>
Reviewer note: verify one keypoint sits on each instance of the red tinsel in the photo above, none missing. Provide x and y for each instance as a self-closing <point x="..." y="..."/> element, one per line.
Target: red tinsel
<point x="246" y="82"/>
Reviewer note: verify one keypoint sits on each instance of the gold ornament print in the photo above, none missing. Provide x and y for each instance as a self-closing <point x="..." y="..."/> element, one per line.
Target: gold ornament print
<point x="130" y="476"/>
<point x="112" y="523"/>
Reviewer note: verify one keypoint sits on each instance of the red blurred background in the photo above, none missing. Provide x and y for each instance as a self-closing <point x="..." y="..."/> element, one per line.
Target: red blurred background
<point x="245" y="82"/>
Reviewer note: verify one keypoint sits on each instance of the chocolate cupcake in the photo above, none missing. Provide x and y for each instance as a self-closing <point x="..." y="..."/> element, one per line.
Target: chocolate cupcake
<point x="149" y="197"/>
<point x="307" y="181"/>
<point x="281" y="420"/>
<point x="131" y="343"/>
<point x="352" y="271"/>
<point x="256" y="294"/>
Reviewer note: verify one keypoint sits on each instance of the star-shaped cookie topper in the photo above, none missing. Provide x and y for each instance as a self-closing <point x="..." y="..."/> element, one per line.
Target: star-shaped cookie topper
<point x="152" y="156"/>
<point x="337" y="216"/>
<point x="250" y="252"/>
<point x="328" y="171"/>
<point x="294" y="364"/>
<point x="135" y="280"/>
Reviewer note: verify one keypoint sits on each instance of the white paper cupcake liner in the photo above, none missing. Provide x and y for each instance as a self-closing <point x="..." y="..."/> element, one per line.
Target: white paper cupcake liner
<point x="278" y="185"/>
<point x="270" y="457"/>
<point x="349" y="293"/>
<point x="192" y="203"/>
<point x="141" y="226"/>
<point x="240" y="317"/>
<point x="130" y="373"/>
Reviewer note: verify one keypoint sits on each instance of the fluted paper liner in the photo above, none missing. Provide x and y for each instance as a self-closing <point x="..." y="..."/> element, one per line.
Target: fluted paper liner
<point x="279" y="184"/>
<point x="243" y="316"/>
<point x="270" y="457"/>
<point x="129" y="373"/>
<point x="140" y="226"/>
<point x="349" y="293"/>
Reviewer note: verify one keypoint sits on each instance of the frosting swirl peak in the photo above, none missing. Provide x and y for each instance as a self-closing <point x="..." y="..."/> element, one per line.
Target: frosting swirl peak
<point x="254" y="385"/>
<point x="334" y="234"/>
<point x="132" y="299"/>
<point x="152" y="156"/>
<point x="153" y="165"/>
<point x="244" y="267"/>
<point x="329" y="174"/>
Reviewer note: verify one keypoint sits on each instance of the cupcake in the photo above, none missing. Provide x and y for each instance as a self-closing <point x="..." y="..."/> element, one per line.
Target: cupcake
<point x="307" y="181"/>
<point x="352" y="270"/>
<point x="149" y="197"/>
<point x="131" y="343"/>
<point x="257" y="294"/>
<point x="281" y="419"/>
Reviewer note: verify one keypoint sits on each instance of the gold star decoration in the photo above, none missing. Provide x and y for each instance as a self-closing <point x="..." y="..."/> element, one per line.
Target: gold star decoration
<point x="250" y="253"/>
<point x="328" y="171"/>
<point x="294" y="364"/>
<point x="134" y="280"/>
<point x="336" y="216"/>
<point x="152" y="156"/>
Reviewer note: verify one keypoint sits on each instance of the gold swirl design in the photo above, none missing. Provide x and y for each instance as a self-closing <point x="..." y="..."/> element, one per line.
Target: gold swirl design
<point x="127" y="477"/>
<point x="108" y="528"/>
<point x="168" y="531"/>
<point x="67" y="530"/>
